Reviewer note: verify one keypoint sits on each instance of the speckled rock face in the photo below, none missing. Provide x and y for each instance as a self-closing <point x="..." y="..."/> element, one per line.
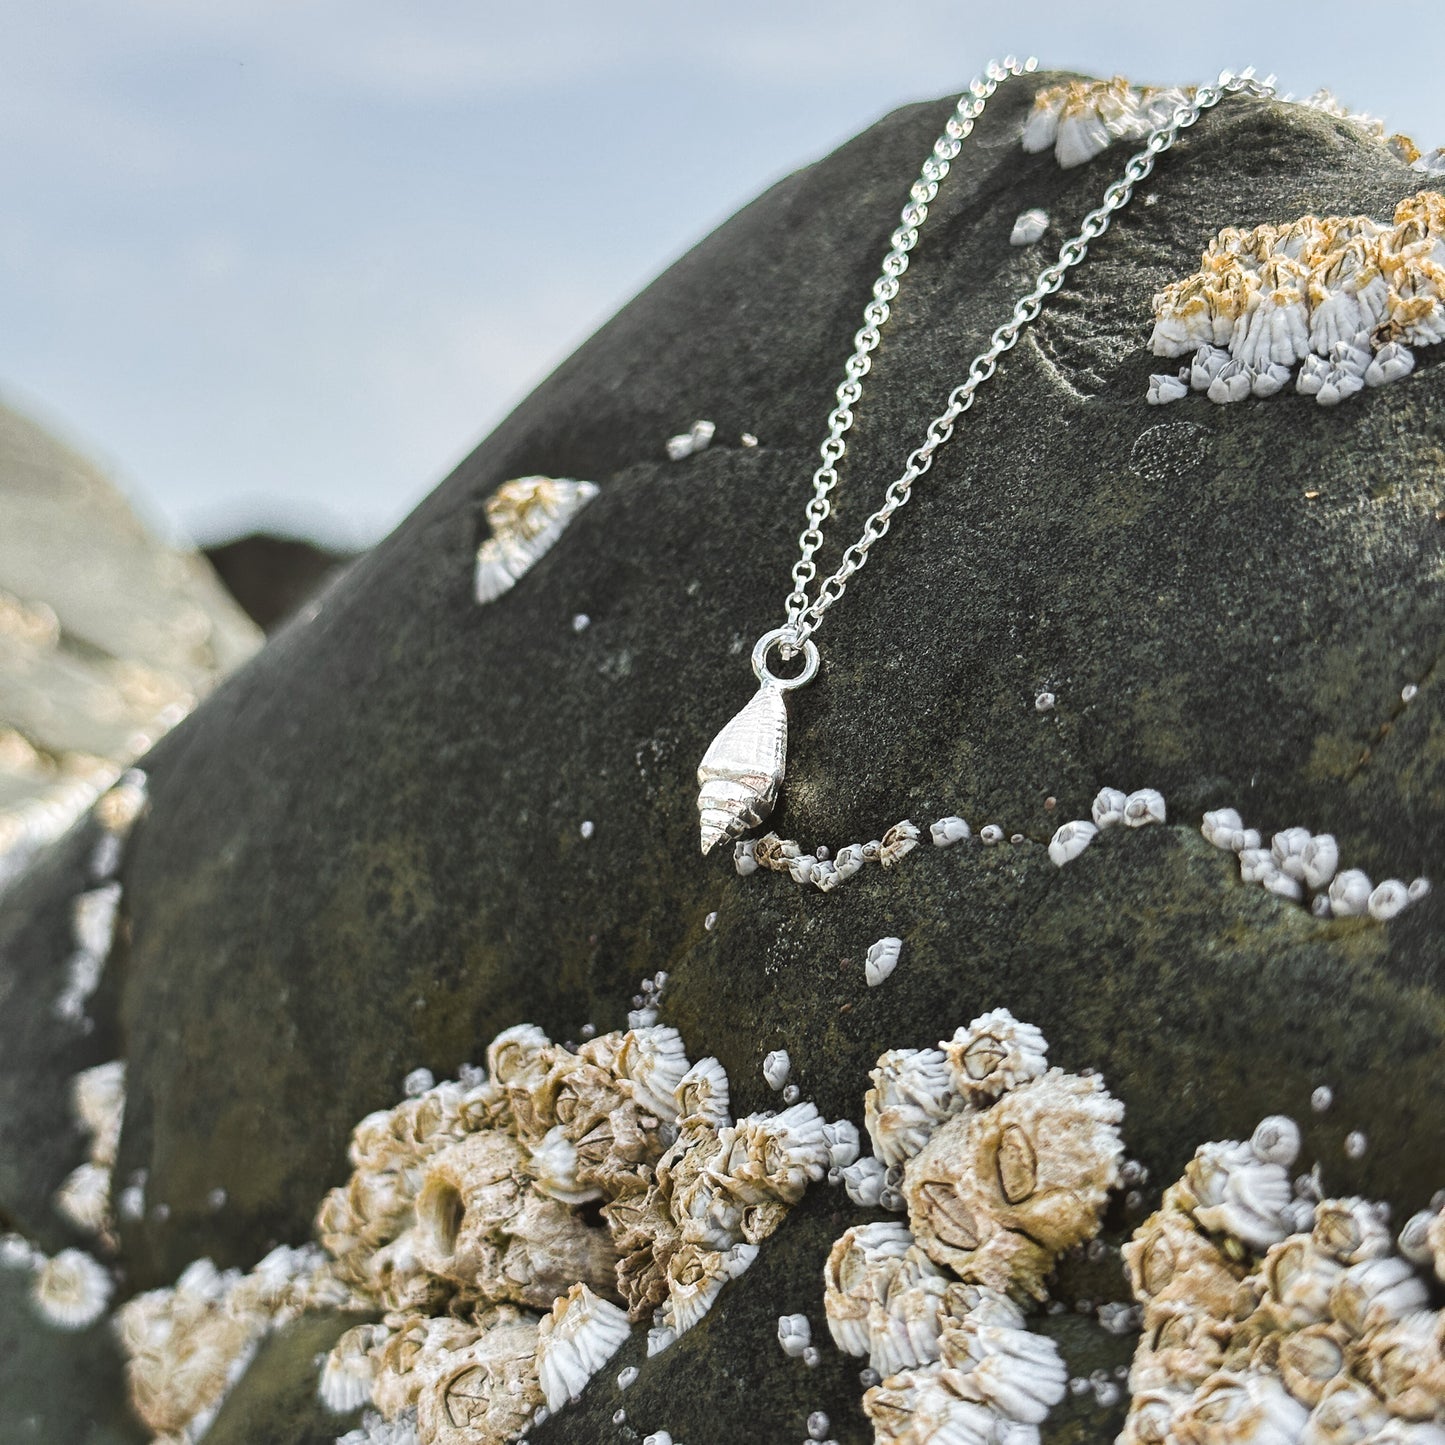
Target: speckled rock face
<point x="365" y="853"/>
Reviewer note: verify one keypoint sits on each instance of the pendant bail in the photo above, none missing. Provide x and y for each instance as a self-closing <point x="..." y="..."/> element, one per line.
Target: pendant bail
<point x="785" y="639"/>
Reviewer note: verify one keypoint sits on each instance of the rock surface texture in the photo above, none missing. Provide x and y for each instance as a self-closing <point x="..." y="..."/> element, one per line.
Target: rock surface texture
<point x="364" y="854"/>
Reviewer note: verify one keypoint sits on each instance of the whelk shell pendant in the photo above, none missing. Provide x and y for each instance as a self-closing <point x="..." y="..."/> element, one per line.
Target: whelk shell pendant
<point x="742" y="770"/>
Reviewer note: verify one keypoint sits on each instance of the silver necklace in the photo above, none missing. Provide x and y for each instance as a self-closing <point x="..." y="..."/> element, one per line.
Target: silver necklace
<point x="742" y="770"/>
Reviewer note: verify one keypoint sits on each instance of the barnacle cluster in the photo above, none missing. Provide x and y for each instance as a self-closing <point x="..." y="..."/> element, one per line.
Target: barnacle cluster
<point x="1081" y="118"/>
<point x="509" y="1226"/>
<point x="526" y="516"/>
<point x="1345" y="297"/>
<point x="1134" y="810"/>
<point x="1272" y="1316"/>
<point x="1305" y="866"/>
<point x="1003" y="1164"/>
<point x="825" y="871"/>
<point x="97" y="1098"/>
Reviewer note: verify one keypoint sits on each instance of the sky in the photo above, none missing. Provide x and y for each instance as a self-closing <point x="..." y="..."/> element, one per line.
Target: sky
<point x="283" y="263"/>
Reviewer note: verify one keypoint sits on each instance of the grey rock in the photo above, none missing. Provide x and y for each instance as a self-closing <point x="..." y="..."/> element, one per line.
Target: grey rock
<point x="364" y="856"/>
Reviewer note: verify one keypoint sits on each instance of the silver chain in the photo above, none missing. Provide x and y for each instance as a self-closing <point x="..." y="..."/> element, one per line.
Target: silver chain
<point x="805" y="614"/>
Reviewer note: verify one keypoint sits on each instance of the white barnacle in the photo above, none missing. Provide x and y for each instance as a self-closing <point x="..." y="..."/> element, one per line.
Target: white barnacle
<point x="1319" y="859"/>
<point x="1208" y="362"/>
<point x="1377" y="1291"/>
<point x="743" y="858"/>
<point x="1233" y="1191"/>
<point x="1432" y="163"/>
<point x="881" y="959"/>
<point x="350" y="1368"/>
<point x="1029" y="227"/>
<point x="795" y="1334"/>
<point x="1143" y="807"/>
<point x="1311" y="377"/>
<point x="71" y="1290"/>
<point x="1276" y="1140"/>
<point x="1019" y="1373"/>
<point x="1288" y="848"/>
<point x="776" y="1067"/>
<point x="850" y="860"/>
<point x="1388" y="899"/>
<point x="1108" y="807"/>
<point x="864" y="1180"/>
<point x="697" y="438"/>
<point x="1165" y="387"/>
<point x="97" y="1099"/>
<point x="1044" y="702"/>
<point x="841" y="1137"/>
<point x="701" y="1097"/>
<point x="1070" y="840"/>
<point x="990" y="834"/>
<point x="1414" y="1238"/>
<point x="947" y="831"/>
<point x="660" y="1337"/>
<point x="1391" y="362"/>
<point x="1418" y="889"/>
<point x="654" y="1060"/>
<point x="84" y="1197"/>
<point x="93" y="917"/>
<point x="1340" y="384"/>
<point x="860" y="1269"/>
<point x="552" y="1167"/>
<point x="1351" y="1230"/>
<point x="898" y="842"/>
<point x="1283" y="886"/>
<point x="825" y="875"/>
<point x="1350" y="893"/>
<point x="912" y="1093"/>
<point x="994" y="1054"/>
<point x="1257" y="865"/>
<point x="1234" y="381"/>
<point x="574" y="1341"/>
<point x="1221" y="826"/>
<point x="526" y="517"/>
<point x="800" y="869"/>
<point x="1271" y="380"/>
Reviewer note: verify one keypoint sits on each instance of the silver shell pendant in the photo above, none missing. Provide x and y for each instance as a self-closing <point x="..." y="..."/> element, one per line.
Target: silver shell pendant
<point x="742" y="770"/>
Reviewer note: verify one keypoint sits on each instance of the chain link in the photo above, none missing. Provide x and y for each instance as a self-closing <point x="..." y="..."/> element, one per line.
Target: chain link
<point x="805" y="614"/>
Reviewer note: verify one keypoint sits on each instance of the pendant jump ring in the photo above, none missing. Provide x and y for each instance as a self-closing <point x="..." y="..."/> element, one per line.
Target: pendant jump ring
<point x="779" y="637"/>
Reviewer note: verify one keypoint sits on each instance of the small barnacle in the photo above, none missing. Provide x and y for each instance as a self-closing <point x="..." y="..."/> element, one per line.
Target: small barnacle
<point x="914" y="1407"/>
<point x="1220" y="827"/>
<point x="912" y="1093"/>
<point x="1108" y="807"/>
<point x="1271" y="380"/>
<point x="795" y="1334"/>
<point x="84" y="1198"/>
<point x="859" y="1270"/>
<point x="695" y="1278"/>
<point x="1044" y="702"/>
<point x="97" y="1098"/>
<point x="1144" y="806"/>
<point x="1348" y="1411"/>
<point x="817" y="1425"/>
<point x="1234" y="381"/>
<point x="526" y="517"/>
<point x="1029" y="227"/>
<point x="1276" y="1140"/>
<point x="1418" y="889"/>
<point x="1319" y="859"/>
<point x="947" y="831"/>
<point x="850" y="860"/>
<point x="990" y="834"/>
<point x="1229" y="1190"/>
<point x="71" y="1290"/>
<point x="1405" y="1365"/>
<point x="350" y="1368"/>
<point x="1020" y="1374"/>
<point x="776" y="1067"/>
<point x="1288" y="848"/>
<point x="1208" y="362"/>
<point x="864" y="1181"/>
<point x="800" y="869"/>
<point x="1166" y="387"/>
<point x="552" y="1167"/>
<point x="825" y="875"/>
<point x="702" y="1097"/>
<point x="1070" y="840"/>
<point x="1391" y="362"/>
<point x="1313" y="373"/>
<point x="1283" y="886"/>
<point x="881" y="959"/>
<point x="994" y="1054"/>
<point x="1248" y="1407"/>
<point x="93" y="917"/>
<point x="1388" y="899"/>
<point x="1417" y="1236"/>
<point x="1350" y="893"/>
<point x="898" y="842"/>
<point x="1171" y="1263"/>
<point x="1311" y="1360"/>
<point x="743" y="859"/>
<point x="1340" y="384"/>
<point x="1376" y="1292"/>
<point x="654" y="1061"/>
<point x="997" y="1195"/>
<point x="697" y="438"/>
<point x="1257" y="865"/>
<point x="574" y="1341"/>
<point x="841" y="1137"/>
<point x="1351" y="1230"/>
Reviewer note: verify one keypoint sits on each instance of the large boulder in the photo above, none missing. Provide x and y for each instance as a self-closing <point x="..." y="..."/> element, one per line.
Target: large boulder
<point x="364" y="853"/>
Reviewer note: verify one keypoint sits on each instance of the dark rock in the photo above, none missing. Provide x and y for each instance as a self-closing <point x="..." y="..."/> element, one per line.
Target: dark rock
<point x="364" y="852"/>
<point x="273" y="577"/>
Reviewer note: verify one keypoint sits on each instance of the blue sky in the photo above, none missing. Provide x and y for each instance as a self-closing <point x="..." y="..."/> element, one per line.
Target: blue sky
<point x="285" y="263"/>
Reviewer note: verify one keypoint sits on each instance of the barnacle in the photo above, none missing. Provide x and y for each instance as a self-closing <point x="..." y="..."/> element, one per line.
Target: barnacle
<point x="526" y="517"/>
<point x="1346" y="296"/>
